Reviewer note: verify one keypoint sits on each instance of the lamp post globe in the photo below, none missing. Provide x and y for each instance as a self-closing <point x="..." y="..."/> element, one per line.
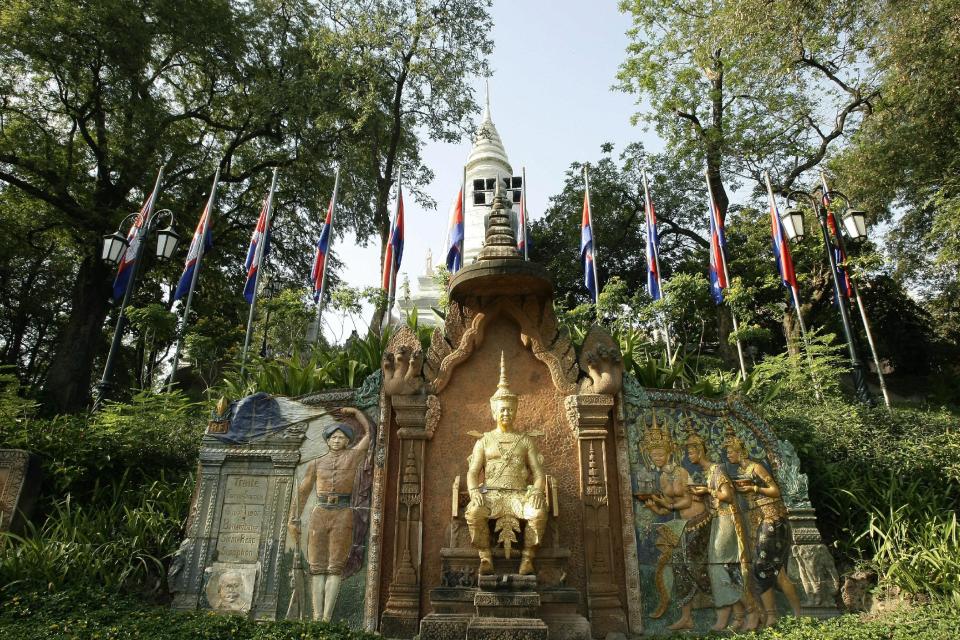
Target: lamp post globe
<point x="167" y="241"/>
<point x="792" y="220"/>
<point x="114" y="244"/>
<point x="855" y="224"/>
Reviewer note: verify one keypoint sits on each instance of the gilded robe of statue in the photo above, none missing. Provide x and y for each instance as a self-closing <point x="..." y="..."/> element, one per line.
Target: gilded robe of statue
<point x="513" y="485"/>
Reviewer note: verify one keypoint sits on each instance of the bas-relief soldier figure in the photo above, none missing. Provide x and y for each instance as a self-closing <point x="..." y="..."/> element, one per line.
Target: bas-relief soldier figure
<point x="768" y="517"/>
<point x="689" y="554"/>
<point x="330" y="532"/>
<point x="727" y="551"/>
<point x="508" y="461"/>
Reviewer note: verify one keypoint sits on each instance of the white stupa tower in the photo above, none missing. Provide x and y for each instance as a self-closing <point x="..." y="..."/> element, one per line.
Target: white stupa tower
<point x="487" y="161"/>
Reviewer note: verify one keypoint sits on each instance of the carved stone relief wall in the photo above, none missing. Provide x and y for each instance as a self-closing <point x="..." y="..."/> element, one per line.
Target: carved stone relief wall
<point x="680" y="535"/>
<point x="240" y="555"/>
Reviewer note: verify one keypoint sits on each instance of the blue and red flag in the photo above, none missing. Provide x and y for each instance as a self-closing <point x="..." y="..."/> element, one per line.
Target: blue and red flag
<point x="781" y="249"/>
<point x="455" y="235"/>
<point x="653" y="245"/>
<point x="320" y="258"/>
<point x="259" y="249"/>
<point x="586" y="247"/>
<point x="718" y="249"/>
<point x="839" y="255"/>
<point x="201" y="236"/>
<point x="523" y="231"/>
<point x="134" y="238"/>
<point x="201" y="243"/>
<point x="394" y="251"/>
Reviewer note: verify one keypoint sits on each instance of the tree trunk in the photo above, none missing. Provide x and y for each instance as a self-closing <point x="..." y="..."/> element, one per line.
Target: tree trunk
<point x="382" y="218"/>
<point x="791" y="331"/>
<point x="67" y="387"/>
<point x="728" y="352"/>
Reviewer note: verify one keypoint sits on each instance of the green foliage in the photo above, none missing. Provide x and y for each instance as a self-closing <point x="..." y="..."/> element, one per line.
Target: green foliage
<point x="326" y="368"/>
<point x="812" y="370"/>
<point x="115" y="490"/>
<point x="748" y="85"/>
<point x="13" y="406"/>
<point x="95" y="614"/>
<point x="289" y="314"/>
<point x="140" y="440"/>
<point x="916" y="549"/>
<point x="885" y="484"/>
<point x="118" y="537"/>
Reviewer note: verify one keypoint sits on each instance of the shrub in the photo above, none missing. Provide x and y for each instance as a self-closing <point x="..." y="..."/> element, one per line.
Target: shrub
<point x="118" y="538"/>
<point x="886" y="485"/>
<point x="115" y="488"/>
<point x="151" y="435"/>
<point x="92" y="614"/>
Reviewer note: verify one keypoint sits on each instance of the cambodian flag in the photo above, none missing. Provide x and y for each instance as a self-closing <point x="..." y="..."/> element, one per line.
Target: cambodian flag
<point x="455" y="235"/>
<point x="718" y="248"/>
<point x="259" y="249"/>
<point x="134" y="238"/>
<point x="394" y="251"/>
<point x="839" y="255"/>
<point x="523" y="231"/>
<point x="201" y="243"/>
<point x="586" y="248"/>
<point x="323" y="249"/>
<point x="653" y="248"/>
<point x="781" y="250"/>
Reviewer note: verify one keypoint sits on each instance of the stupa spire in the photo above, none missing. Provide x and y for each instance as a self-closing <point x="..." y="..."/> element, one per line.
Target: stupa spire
<point x="499" y="241"/>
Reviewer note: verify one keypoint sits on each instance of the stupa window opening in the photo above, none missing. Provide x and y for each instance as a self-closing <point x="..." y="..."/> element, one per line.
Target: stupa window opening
<point x="483" y="189"/>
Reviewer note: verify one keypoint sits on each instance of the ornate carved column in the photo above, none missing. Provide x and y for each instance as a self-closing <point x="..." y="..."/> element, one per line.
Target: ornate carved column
<point x="590" y="416"/>
<point x="401" y="615"/>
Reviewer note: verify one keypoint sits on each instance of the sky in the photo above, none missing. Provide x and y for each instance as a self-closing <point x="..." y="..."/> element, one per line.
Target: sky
<point x="553" y="66"/>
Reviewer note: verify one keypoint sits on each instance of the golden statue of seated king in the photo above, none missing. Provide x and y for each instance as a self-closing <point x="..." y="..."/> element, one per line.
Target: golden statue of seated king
<point x="507" y="461"/>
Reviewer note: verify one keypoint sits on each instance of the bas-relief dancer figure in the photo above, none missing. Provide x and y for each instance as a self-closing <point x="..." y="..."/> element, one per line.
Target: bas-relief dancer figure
<point x="330" y="532"/>
<point x="689" y="555"/>
<point x="726" y="554"/>
<point x="768" y="515"/>
<point x="507" y="461"/>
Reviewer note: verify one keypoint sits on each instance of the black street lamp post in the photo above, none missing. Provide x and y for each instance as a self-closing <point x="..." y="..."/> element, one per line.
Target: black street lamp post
<point x="793" y="224"/>
<point x="114" y="247"/>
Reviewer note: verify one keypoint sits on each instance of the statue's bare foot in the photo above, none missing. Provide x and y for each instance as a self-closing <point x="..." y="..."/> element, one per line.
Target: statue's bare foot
<point x="486" y="567"/>
<point x="737" y="622"/>
<point x="753" y="620"/>
<point x="526" y="567"/>
<point x="771" y="619"/>
<point x="682" y="623"/>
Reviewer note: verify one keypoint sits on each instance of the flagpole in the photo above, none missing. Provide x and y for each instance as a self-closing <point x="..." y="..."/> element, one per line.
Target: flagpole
<point x="526" y="215"/>
<point x="261" y="250"/>
<point x="104" y="383"/>
<point x="656" y="260"/>
<point x="593" y="238"/>
<point x="392" y="279"/>
<point x="863" y="312"/>
<point x="796" y="302"/>
<point x="326" y="257"/>
<point x="193" y="278"/>
<point x="715" y="212"/>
